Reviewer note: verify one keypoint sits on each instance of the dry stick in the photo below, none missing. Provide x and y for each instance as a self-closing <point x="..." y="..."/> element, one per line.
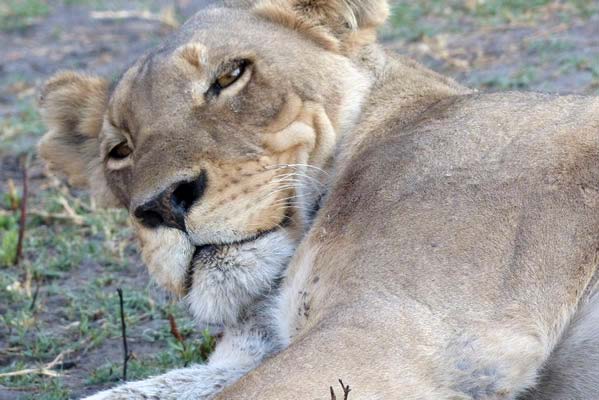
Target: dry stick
<point x="23" y="220"/>
<point x="346" y="391"/>
<point x="47" y="217"/>
<point x="125" y="14"/>
<point x="37" y="290"/>
<point x="174" y="330"/>
<point x="9" y="351"/>
<point x="45" y="370"/>
<point x="70" y="211"/>
<point x="124" y="334"/>
<point x="166" y="17"/>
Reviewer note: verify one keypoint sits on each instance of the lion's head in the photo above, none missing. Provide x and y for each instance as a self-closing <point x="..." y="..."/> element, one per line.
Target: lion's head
<point x="209" y="140"/>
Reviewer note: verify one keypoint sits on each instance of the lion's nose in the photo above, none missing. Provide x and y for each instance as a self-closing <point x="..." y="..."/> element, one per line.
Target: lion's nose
<point x="171" y="206"/>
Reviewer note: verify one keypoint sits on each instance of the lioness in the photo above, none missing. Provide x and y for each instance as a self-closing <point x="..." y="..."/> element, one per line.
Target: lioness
<point x="345" y="213"/>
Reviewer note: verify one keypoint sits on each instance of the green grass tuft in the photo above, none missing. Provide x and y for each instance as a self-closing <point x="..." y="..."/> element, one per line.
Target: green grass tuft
<point x="19" y="14"/>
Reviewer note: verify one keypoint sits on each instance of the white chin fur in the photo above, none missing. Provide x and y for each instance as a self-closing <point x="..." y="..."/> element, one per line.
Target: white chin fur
<point x="227" y="279"/>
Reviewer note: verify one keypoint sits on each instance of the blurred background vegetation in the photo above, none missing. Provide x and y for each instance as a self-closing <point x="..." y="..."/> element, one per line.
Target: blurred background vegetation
<point x="60" y="299"/>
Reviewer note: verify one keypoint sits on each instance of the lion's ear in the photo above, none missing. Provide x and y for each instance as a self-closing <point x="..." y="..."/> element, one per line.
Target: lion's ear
<point x="339" y="24"/>
<point x="72" y="106"/>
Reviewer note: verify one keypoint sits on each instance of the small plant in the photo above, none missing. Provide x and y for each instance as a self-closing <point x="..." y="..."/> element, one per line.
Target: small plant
<point x="12" y="199"/>
<point x="8" y="247"/>
<point x="190" y="351"/>
<point x="18" y="14"/>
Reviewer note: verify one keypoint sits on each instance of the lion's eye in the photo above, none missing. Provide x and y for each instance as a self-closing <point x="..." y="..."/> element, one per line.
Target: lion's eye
<point x="121" y="151"/>
<point x="230" y="77"/>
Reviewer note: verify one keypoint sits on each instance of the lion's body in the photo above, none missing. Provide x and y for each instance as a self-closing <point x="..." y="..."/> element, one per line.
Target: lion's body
<point x="455" y="249"/>
<point x="451" y="257"/>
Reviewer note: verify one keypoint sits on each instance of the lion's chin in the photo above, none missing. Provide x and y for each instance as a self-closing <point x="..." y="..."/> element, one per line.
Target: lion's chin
<point x="218" y="282"/>
<point x="223" y="281"/>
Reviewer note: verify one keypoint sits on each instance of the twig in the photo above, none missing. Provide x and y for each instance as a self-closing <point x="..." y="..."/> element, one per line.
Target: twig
<point x="174" y="330"/>
<point x="127" y="355"/>
<point x="46" y="216"/>
<point x="86" y="346"/>
<point x="346" y="390"/>
<point x="39" y="371"/>
<point x="45" y="370"/>
<point x="35" y="293"/>
<point x="167" y="17"/>
<point x="9" y="351"/>
<point x="53" y="182"/>
<point x="23" y="219"/>
<point x="18" y="389"/>
<point x="77" y="219"/>
<point x="125" y="14"/>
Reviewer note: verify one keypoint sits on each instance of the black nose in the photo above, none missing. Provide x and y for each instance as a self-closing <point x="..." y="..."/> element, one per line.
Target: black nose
<point x="171" y="206"/>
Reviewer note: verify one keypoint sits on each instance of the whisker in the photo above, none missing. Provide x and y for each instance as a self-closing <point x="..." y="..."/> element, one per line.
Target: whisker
<point x="300" y="174"/>
<point x="289" y="199"/>
<point x="273" y="192"/>
<point x="294" y="177"/>
<point x="313" y="167"/>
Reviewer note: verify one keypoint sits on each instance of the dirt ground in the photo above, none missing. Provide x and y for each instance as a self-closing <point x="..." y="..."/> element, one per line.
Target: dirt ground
<point x="61" y="300"/>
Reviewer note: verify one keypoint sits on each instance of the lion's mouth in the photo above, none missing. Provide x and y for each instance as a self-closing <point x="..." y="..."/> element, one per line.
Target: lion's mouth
<point x="207" y="251"/>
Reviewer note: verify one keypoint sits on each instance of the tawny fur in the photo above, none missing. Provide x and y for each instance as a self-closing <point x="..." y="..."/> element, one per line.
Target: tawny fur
<point x="453" y="254"/>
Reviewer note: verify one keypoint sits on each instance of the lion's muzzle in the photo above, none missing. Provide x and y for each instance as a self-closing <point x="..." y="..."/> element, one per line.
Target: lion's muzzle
<point x="170" y="207"/>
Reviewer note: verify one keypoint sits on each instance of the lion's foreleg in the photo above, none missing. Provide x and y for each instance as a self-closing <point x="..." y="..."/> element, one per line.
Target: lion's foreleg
<point x="240" y="350"/>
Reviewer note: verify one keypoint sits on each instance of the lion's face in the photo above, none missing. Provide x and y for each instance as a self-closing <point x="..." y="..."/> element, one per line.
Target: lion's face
<point x="210" y="142"/>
